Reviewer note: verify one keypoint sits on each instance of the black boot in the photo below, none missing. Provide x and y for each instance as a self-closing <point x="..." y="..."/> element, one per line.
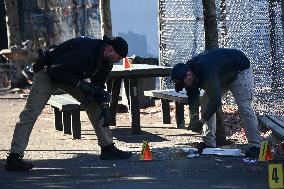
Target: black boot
<point x="252" y="152"/>
<point x="201" y="146"/>
<point x="15" y="163"/>
<point x="110" y="152"/>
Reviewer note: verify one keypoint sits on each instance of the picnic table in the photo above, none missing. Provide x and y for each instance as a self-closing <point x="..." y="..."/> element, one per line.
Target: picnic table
<point x="130" y="77"/>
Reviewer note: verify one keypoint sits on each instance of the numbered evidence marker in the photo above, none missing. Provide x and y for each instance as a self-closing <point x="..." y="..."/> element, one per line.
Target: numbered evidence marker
<point x="265" y="152"/>
<point x="275" y="173"/>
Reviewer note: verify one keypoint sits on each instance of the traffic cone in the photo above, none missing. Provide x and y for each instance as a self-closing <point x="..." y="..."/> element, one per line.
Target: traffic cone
<point x="126" y="63"/>
<point x="268" y="155"/>
<point x="146" y="153"/>
<point x="265" y="152"/>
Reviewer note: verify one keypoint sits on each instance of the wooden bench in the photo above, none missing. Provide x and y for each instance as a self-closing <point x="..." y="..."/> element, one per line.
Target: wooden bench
<point x="67" y="114"/>
<point x="274" y="123"/>
<point x="166" y="97"/>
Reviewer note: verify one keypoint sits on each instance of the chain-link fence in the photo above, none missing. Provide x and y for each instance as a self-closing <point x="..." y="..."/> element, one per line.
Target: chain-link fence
<point x="255" y="27"/>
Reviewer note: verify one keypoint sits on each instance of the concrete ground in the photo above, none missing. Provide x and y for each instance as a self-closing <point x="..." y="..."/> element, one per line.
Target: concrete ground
<point x="61" y="162"/>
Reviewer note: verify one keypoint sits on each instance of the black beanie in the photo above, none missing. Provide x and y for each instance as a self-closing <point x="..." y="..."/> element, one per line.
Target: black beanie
<point x="119" y="45"/>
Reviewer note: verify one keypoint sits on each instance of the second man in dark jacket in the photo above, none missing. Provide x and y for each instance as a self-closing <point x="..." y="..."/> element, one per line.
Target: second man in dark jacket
<point x="216" y="71"/>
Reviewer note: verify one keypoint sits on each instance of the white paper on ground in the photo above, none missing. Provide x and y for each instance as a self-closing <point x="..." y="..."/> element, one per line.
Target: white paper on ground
<point x="191" y="152"/>
<point x="221" y="152"/>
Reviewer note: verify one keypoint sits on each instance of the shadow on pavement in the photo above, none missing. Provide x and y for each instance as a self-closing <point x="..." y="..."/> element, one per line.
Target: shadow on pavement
<point x="85" y="170"/>
<point x="124" y="134"/>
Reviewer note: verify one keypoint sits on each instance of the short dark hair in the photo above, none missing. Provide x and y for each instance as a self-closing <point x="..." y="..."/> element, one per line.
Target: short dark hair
<point x="178" y="74"/>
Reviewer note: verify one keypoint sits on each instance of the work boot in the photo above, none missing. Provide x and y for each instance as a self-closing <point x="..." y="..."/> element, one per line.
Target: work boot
<point x="15" y="163"/>
<point x="252" y="152"/>
<point x="220" y="142"/>
<point x="201" y="146"/>
<point x="110" y="152"/>
<point x="194" y="128"/>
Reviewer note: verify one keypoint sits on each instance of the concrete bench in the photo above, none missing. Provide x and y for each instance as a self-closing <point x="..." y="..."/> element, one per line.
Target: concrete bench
<point x="274" y="123"/>
<point x="166" y="96"/>
<point x="67" y="114"/>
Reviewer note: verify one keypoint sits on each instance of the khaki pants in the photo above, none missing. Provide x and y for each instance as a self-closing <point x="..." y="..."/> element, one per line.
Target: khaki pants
<point x="42" y="89"/>
<point x="242" y="90"/>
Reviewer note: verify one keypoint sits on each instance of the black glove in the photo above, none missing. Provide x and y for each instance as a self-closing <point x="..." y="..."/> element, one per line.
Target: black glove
<point x="93" y="93"/>
<point x="105" y="114"/>
<point x="194" y="117"/>
<point x="195" y="124"/>
<point x="85" y="87"/>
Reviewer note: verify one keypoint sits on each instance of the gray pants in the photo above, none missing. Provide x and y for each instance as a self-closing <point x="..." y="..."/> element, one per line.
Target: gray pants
<point x="42" y="89"/>
<point x="242" y="90"/>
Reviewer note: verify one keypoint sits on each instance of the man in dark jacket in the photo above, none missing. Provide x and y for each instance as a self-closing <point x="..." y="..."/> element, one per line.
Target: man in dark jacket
<point x="67" y="66"/>
<point x="216" y="71"/>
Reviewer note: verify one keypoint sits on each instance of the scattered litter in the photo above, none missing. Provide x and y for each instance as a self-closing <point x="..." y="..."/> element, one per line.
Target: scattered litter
<point x="228" y="166"/>
<point x="193" y="155"/>
<point x="219" y="160"/>
<point x="221" y="152"/>
<point x="114" y="165"/>
<point x="191" y="152"/>
<point x="249" y="161"/>
<point x="185" y="152"/>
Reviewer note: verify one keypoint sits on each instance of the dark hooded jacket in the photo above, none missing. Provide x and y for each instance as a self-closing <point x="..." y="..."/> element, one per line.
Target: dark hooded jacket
<point x="214" y="69"/>
<point x="78" y="59"/>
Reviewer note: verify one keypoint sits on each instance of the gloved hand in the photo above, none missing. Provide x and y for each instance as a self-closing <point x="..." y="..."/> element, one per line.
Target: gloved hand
<point x="195" y="124"/>
<point x="85" y="87"/>
<point x="194" y="117"/>
<point x="105" y="114"/>
<point x="93" y="93"/>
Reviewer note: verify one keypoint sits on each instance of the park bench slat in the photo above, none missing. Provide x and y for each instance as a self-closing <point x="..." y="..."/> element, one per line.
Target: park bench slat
<point x="180" y="99"/>
<point x="278" y="121"/>
<point x="170" y="94"/>
<point x="66" y="114"/>
<point x="281" y="118"/>
<point x="273" y="123"/>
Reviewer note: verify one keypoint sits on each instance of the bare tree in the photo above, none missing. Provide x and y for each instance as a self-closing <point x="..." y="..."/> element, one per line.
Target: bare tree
<point x="272" y="42"/>
<point x="105" y="14"/>
<point x="75" y="16"/>
<point x="223" y="24"/>
<point x="211" y="41"/>
<point x="3" y="29"/>
<point x="282" y="15"/>
<point x="210" y="24"/>
<point x="13" y="27"/>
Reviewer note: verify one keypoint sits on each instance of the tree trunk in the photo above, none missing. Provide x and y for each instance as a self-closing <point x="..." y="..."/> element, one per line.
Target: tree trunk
<point x="14" y="37"/>
<point x="211" y="41"/>
<point x="75" y="16"/>
<point x="223" y="24"/>
<point x="3" y="29"/>
<point x="210" y="24"/>
<point x="272" y="42"/>
<point x="282" y="16"/>
<point x="105" y="15"/>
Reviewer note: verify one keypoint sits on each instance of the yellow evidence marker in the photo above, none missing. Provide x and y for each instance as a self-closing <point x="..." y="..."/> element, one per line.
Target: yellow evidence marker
<point x="265" y="152"/>
<point x="275" y="175"/>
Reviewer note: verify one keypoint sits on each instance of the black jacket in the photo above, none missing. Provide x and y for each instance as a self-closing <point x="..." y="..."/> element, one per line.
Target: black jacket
<point x="77" y="59"/>
<point x="214" y="69"/>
